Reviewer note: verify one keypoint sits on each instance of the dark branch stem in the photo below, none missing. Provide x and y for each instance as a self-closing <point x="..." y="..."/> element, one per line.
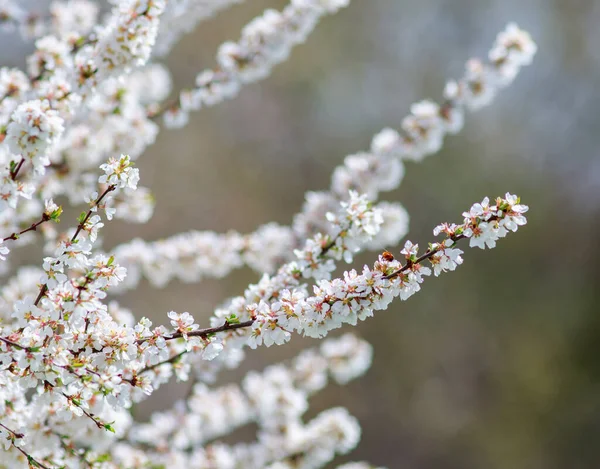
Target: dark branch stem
<point x="15" y="172"/>
<point x="14" y="344"/>
<point x="15" y="434"/>
<point x="81" y="226"/>
<point x="33" y="227"/>
<point x="72" y="400"/>
<point x="204" y="332"/>
<point x="30" y="459"/>
<point x="419" y="260"/>
<point x="173" y="359"/>
<point x="198" y="333"/>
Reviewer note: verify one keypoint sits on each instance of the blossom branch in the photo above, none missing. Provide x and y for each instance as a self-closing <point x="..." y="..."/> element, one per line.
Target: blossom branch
<point x="70" y="356"/>
<point x="75" y="401"/>
<point x="15" y="171"/>
<point x="197" y="254"/>
<point x="227" y="326"/>
<point x="17" y="436"/>
<point x="14" y="344"/>
<point x="266" y="41"/>
<point x="357" y="296"/>
<point x="52" y="212"/>
<point x="33" y="227"/>
<point x="80" y="226"/>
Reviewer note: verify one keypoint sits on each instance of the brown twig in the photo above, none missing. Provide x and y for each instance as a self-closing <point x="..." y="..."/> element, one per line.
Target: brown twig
<point x="199" y="333"/>
<point x="204" y="332"/>
<point x="14" y="344"/>
<point x="30" y="459"/>
<point x="81" y="226"/>
<point x="33" y="227"/>
<point x="14" y="172"/>
<point x="419" y="260"/>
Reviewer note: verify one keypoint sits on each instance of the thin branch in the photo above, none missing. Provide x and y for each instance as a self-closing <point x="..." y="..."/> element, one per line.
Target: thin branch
<point x="81" y="226"/>
<point x="203" y="332"/>
<point x="430" y="253"/>
<point x="173" y="359"/>
<point x="30" y="459"/>
<point x="15" y="434"/>
<point x="73" y="400"/>
<point x="14" y="344"/>
<point x="15" y="171"/>
<point x="199" y="333"/>
<point x="33" y="227"/>
<point x="211" y="330"/>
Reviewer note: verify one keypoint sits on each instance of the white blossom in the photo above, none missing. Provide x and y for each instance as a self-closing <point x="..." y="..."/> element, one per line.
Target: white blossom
<point x="33" y="130"/>
<point x="120" y="173"/>
<point x="73" y="360"/>
<point x="266" y="41"/>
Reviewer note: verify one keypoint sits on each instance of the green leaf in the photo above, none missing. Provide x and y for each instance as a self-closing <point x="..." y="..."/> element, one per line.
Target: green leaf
<point x="103" y="458"/>
<point x="232" y="319"/>
<point x="108" y="426"/>
<point x="54" y="216"/>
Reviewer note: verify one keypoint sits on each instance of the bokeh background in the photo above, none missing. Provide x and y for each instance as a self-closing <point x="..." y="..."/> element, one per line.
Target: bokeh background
<point x="496" y="365"/>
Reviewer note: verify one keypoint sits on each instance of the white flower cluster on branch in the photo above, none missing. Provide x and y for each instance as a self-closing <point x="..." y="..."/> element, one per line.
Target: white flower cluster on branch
<point x="64" y="18"/>
<point x="274" y="399"/>
<point x="192" y="256"/>
<point x="182" y="16"/>
<point x="266" y="41"/>
<point x="73" y="361"/>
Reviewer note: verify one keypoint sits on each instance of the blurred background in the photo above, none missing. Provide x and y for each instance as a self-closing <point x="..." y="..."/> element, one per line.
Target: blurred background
<point x="496" y="365"/>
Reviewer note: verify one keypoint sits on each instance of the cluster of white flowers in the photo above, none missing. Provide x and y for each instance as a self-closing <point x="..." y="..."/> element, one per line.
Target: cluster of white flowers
<point x="77" y="106"/>
<point x="266" y="41"/>
<point x="355" y="296"/>
<point x="192" y="256"/>
<point x="275" y="400"/>
<point x="33" y="129"/>
<point x="128" y="39"/>
<point x="73" y="361"/>
<point x="63" y="18"/>
<point x="422" y="133"/>
<point x="181" y="17"/>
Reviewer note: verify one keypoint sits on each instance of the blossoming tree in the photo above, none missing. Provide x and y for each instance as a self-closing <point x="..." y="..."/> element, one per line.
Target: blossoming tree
<point x="73" y="360"/>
